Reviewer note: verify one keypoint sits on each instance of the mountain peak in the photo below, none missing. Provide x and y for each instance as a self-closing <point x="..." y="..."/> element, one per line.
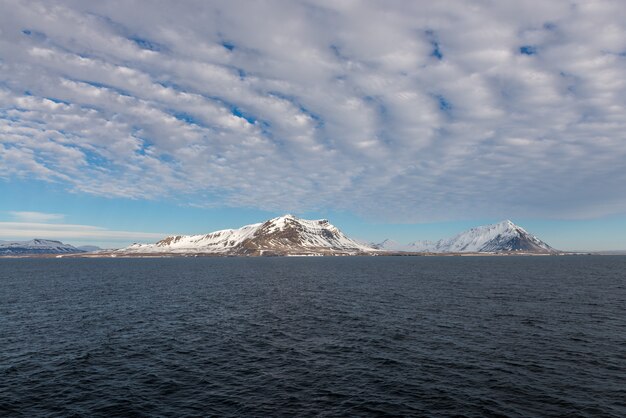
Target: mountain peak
<point x="284" y="219"/>
<point x="290" y="235"/>
<point x="388" y="245"/>
<point x="504" y="236"/>
<point x="283" y="235"/>
<point x="507" y="223"/>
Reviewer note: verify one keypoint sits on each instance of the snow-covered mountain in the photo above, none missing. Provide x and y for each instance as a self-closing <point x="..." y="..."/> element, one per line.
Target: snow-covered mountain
<point x="504" y="236"/>
<point x="388" y="245"/>
<point x="285" y="235"/>
<point x="36" y="246"/>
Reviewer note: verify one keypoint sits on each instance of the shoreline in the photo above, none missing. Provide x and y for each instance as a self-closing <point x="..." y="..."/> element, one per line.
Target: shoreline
<point x="110" y="255"/>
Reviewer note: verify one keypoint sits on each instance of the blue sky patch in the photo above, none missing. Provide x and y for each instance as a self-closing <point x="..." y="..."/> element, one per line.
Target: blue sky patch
<point x="52" y="99"/>
<point x="436" y="51"/>
<point x="443" y="103"/>
<point x="528" y="50"/>
<point x="95" y="159"/>
<point x="550" y="26"/>
<point x="187" y="118"/>
<point x="239" y="113"/>
<point x="36" y="35"/>
<point x="146" y="44"/>
<point x="119" y="91"/>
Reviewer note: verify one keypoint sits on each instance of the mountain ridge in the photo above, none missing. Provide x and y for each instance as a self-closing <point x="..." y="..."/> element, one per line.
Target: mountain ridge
<point x="37" y="246"/>
<point x="504" y="236"/>
<point x="289" y="235"/>
<point x="283" y="235"/>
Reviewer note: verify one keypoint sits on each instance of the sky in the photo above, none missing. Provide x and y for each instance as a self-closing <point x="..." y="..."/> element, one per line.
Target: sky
<point x="124" y="121"/>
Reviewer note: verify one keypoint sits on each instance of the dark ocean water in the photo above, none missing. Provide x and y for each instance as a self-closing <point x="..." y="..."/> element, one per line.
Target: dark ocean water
<point x="363" y="336"/>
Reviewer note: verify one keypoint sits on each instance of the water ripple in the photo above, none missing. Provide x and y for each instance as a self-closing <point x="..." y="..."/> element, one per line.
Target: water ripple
<point x="379" y="336"/>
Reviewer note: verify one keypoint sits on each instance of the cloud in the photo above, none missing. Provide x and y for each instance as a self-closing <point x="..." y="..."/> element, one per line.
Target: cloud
<point x="36" y="216"/>
<point x="402" y="111"/>
<point x="72" y="232"/>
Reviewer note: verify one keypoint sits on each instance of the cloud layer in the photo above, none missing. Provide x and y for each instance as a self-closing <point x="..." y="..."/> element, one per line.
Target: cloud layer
<point x="73" y="233"/>
<point x="406" y="111"/>
<point x="36" y="216"/>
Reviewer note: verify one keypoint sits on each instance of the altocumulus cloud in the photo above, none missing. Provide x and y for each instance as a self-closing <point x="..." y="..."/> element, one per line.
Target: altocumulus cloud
<point x="410" y="111"/>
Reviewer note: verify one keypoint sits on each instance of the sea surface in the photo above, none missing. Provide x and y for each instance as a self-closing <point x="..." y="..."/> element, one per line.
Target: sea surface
<point x="335" y="336"/>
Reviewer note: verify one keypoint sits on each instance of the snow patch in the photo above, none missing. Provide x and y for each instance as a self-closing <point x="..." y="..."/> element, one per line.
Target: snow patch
<point x="503" y="236"/>
<point x="283" y="233"/>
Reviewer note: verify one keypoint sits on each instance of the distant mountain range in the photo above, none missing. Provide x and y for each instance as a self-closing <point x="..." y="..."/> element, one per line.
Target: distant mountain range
<point x="504" y="236"/>
<point x="41" y="246"/>
<point x="36" y="246"/>
<point x="289" y="235"/>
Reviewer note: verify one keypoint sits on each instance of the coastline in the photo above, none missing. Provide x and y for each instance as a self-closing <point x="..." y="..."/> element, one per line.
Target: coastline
<point x="218" y="255"/>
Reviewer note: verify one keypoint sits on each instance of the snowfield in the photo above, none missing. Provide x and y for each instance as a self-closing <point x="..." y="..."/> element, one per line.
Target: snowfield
<point x="289" y="235"/>
<point x="504" y="236"/>
<point x="284" y="234"/>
